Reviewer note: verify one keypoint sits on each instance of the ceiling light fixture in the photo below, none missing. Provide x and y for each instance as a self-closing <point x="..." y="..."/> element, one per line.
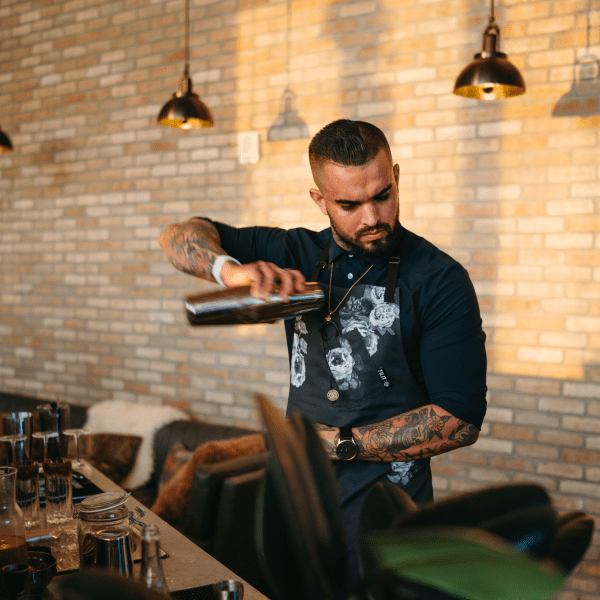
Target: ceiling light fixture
<point x="288" y="125"/>
<point x="491" y="75"/>
<point x="5" y="143"/>
<point x="185" y="110"/>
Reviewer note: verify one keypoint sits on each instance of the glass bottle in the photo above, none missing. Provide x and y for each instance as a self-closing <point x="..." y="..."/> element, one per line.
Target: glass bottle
<point x="13" y="544"/>
<point x="152" y="574"/>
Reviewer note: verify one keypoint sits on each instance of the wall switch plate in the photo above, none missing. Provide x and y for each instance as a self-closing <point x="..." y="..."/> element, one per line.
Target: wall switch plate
<point x="248" y="147"/>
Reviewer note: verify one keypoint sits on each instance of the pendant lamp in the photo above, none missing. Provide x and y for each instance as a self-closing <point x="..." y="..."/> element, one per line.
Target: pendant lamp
<point x="288" y="125"/>
<point x="5" y="143"/>
<point x="185" y="110"/>
<point x="491" y="75"/>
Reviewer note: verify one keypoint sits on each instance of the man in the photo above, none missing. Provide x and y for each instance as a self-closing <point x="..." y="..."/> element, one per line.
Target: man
<point x="392" y="369"/>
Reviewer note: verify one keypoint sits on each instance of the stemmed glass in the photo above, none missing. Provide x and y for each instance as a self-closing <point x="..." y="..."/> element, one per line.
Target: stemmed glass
<point x="13" y="438"/>
<point x="45" y="435"/>
<point x="79" y="466"/>
<point x="49" y="429"/>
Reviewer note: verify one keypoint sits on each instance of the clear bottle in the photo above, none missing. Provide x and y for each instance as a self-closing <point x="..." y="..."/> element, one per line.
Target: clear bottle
<point x="13" y="544"/>
<point x="152" y="574"/>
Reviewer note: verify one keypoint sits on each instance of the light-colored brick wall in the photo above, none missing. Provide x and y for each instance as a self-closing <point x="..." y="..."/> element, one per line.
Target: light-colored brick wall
<point x="90" y="309"/>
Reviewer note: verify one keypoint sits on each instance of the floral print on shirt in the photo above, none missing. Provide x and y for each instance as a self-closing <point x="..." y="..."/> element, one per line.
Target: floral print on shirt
<point x="372" y="317"/>
<point x="299" y="349"/>
<point x="402" y="472"/>
<point x="344" y="365"/>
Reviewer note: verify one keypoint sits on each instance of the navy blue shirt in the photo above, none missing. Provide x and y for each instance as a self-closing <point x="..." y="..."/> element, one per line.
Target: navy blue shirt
<point x="441" y="324"/>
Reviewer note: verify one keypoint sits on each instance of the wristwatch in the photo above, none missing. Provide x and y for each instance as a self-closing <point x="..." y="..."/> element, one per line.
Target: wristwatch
<point x="346" y="448"/>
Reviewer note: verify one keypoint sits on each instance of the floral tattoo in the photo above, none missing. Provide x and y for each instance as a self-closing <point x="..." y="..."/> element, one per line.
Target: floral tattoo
<point x="420" y="433"/>
<point x="192" y="247"/>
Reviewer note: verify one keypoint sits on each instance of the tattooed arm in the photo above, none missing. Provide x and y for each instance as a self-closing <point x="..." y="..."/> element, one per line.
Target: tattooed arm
<point x="194" y="245"/>
<point x="419" y="433"/>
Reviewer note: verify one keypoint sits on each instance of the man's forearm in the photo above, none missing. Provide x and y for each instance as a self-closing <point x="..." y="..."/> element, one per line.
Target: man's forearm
<point x="419" y="433"/>
<point x="192" y="247"/>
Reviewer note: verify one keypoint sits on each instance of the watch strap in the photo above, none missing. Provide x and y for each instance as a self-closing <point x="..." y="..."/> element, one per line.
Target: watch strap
<point x="346" y="434"/>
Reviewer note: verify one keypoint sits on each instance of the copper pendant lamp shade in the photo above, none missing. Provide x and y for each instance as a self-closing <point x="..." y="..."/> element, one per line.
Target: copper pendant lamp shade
<point x="185" y="110"/>
<point x="5" y="143"/>
<point x="491" y="75"/>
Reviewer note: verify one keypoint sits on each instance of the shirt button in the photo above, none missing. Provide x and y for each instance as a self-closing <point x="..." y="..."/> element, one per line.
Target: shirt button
<point x="350" y="276"/>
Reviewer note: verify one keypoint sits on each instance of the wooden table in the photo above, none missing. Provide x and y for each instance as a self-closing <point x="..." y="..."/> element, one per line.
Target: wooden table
<point x="187" y="565"/>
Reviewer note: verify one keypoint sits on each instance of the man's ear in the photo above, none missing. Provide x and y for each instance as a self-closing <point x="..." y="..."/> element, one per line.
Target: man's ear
<point x="318" y="199"/>
<point x="397" y="174"/>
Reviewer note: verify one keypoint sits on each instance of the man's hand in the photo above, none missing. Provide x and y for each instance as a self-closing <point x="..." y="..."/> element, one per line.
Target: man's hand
<point x="264" y="278"/>
<point x="194" y="245"/>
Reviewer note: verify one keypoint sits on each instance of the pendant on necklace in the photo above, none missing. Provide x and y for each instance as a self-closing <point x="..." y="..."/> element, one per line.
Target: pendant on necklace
<point x="328" y="318"/>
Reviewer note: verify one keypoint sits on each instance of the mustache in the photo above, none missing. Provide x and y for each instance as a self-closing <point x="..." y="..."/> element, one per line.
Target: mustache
<point x="375" y="229"/>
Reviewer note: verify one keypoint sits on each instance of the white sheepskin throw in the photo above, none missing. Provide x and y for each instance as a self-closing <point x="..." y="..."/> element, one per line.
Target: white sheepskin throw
<point x="129" y="418"/>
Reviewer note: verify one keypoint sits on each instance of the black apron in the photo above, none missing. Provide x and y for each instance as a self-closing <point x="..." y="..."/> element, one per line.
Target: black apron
<point x="365" y="372"/>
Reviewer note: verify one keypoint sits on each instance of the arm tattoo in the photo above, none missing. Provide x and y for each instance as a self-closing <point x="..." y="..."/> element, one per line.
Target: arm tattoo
<point x="329" y="437"/>
<point x="192" y="247"/>
<point x="420" y="433"/>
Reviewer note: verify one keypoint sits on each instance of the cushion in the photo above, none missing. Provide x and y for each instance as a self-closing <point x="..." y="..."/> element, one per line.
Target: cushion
<point x="113" y="454"/>
<point x="171" y="504"/>
<point x="130" y="418"/>
<point x="177" y="457"/>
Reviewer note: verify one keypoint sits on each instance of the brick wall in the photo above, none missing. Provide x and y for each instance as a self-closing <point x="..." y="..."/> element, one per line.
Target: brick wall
<point x="90" y="309"/>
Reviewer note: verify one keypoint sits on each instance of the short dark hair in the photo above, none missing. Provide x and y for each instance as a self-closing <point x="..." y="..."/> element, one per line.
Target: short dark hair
<point x="348" y="143"/>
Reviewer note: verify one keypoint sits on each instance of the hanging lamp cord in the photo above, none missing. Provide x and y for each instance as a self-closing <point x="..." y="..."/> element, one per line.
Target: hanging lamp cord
<point x="492" y="16"/>
<point x="187" y="39"/>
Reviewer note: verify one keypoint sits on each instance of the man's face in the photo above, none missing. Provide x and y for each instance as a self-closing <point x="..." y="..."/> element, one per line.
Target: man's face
<point x="361" y="202"/>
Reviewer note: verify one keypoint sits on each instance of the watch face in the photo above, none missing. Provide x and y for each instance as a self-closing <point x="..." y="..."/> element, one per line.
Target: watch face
<point x="346" y="450"/>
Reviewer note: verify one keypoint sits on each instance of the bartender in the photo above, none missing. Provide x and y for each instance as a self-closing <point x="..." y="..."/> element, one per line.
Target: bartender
<point x="392" y="369"/>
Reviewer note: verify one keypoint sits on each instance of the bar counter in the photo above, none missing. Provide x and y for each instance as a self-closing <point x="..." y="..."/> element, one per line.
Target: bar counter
<point x="187" y="565"/>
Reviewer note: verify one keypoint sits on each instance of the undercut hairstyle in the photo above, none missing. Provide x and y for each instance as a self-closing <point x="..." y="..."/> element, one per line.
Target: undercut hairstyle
<point x="347" y="143"/>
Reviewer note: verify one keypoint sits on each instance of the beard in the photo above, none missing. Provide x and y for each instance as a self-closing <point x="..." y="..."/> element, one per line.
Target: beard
<point x="373" y="249"/>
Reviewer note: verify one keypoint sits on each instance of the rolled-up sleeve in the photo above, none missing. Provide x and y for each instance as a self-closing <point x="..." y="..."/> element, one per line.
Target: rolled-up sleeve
<point x="249" y="244"/>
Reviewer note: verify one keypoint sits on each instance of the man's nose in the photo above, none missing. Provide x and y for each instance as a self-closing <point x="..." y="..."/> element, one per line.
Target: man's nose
<point x="370" y="214"/>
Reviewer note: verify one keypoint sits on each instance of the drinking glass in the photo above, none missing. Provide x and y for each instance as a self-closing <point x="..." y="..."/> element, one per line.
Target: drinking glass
<point x="58" y="475"/>
<point x="78" y="465"/>
<point x="19" y="423"/>
<point x="228" y="589"/>
<point x="28" y="491"/>
<point x="45" y="435"/>
<point x="18" y="452"/>
<point x="55" y="417"/>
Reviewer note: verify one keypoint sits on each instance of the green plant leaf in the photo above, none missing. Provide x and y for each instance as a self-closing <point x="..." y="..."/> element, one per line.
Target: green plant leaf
<point x="469" y="563"/>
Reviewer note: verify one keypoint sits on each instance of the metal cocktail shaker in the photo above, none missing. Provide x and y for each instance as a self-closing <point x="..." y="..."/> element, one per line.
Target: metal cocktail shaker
<point x="112" y="551"/>
<point x="235" y="306"/>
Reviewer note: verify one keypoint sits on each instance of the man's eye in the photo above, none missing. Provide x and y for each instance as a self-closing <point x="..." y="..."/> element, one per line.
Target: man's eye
<point x="382" y="198"/>
<point x="347" y="207"/>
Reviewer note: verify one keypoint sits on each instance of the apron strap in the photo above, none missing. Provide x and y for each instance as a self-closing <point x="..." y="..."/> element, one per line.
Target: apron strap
<point x="321" y="263"/>
<point x="392" y="276"/>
